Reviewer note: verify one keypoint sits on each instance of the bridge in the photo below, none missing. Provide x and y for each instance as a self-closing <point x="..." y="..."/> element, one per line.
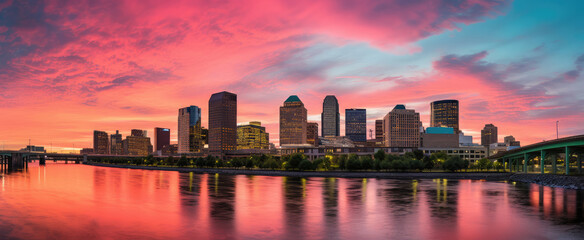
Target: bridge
<point x="12" y="160"/>
<point x="558" y="156"/>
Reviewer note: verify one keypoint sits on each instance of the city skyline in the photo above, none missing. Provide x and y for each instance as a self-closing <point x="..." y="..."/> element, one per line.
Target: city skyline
<point x="59" y="83"/>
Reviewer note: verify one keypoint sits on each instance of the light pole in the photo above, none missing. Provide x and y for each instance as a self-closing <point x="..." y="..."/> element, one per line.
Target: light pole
<point x="557" y="132"/>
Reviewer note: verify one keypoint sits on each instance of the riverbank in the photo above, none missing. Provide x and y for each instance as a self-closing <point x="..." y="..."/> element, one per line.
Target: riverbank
<point x="490" y="176"/>
<point x="550" y="180"/>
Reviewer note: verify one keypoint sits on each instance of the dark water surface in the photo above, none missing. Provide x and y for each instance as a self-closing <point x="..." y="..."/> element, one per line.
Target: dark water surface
<point x="67" y="201"/>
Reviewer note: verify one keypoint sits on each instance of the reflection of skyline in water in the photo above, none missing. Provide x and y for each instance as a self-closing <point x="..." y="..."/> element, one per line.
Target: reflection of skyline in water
<point x="76" y="201"/>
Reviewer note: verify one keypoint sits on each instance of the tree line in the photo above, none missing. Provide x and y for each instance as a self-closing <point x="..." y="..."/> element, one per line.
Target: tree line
<point x="380" y="161"/>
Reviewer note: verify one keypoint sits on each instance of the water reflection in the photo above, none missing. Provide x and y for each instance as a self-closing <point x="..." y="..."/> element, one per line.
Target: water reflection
<point x="76" y="201"/>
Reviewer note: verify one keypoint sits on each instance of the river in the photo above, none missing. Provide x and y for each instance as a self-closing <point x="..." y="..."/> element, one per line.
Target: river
<point x="69" y="201"/>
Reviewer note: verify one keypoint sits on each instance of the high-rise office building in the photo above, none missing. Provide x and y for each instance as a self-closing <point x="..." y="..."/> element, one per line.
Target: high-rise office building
<point x="252" y="136"/>
<point x="116" y="144"/>
<point x="379" y="130"/>
<point x="161" y="138"/>
<point x="312" y="133"/>
<point x="356" y="124"/>
<point x="489" y="135"/>
<point x="401" y="127"/>
<point x="189" y="130"/>
<point x="293" y="117"/>
<point x="444" y="113"/>
<point x="330" y="117"/>
<point x="222" y="122"/>
<point x="100" y="142"/>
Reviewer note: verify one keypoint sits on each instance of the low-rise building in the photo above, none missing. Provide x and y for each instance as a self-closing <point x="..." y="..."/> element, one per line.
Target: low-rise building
<point x="252" y="136"/>
<point x="465" y="153"/>
<point x="439" y="137"/>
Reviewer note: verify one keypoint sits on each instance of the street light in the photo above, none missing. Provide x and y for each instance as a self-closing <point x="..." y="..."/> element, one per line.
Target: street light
<point x="557" y="132"/>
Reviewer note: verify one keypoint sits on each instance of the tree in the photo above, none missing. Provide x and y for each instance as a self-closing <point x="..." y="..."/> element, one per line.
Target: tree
<point x="483" y="164"/>
<point x="392" y="157"/>
<point x="428" y="163"/>
<point x="236" y="163"/>
<point x="149" y="159"/>
<point x="182" y="161"/>
<point x="271" y="164"/>
<point x="400" y="164"/>
<point x="200" y="162"/>
<point x="210" y="161"/>
<point x="385" y="165"/>
<point x="170" y="160"/>
<point x="438" y="158"/>
<point x="249" y="163"/>
<point x="343" y="161"/>
<point x="305" y="165"/>
<point x="416" y="165"/>
<point x="353" y="163"/>
<point x="295" y="160"/>
<point x="379" y="155"/>
<point x="367" y="162"/>
<point x="498" y="166"/>
<point x="453" y="164"/>
<point x="418" y="154"/>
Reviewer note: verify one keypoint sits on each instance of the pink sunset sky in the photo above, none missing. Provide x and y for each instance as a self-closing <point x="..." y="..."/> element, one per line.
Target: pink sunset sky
<point x="70" y="67"/>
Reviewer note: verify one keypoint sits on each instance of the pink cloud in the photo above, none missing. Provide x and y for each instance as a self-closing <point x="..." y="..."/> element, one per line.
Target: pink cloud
<point x="85" y="65"/>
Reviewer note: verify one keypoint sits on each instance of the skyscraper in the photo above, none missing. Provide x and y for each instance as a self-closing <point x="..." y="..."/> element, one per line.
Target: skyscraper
<point x="379" y="130"/>
<point x="116" y="144"/>
<point x="189" y="130"/>
<point x="252" y="136"/>
<point x="222" y="122"/>
<point x="444" y="113"/>
<point x="161" y="138"/>
<point x="100" y="142"/>
<point x="401" y="127"/>
<point x="356" y="124"/>
<point x="489" y="135"/>
<point x="330" y="117"/>
<point x="293" y="121"/>
<point x="312" y="133"/>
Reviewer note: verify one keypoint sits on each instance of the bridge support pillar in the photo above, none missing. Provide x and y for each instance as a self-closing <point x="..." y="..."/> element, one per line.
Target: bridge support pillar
<point x="555" y="160"/>
<point x="542" y="161"/>
<point x="567" y="160"/>
<point x="579" y="163"/>
<point x="42" y="160"/>
<point x="525" y="160"/>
